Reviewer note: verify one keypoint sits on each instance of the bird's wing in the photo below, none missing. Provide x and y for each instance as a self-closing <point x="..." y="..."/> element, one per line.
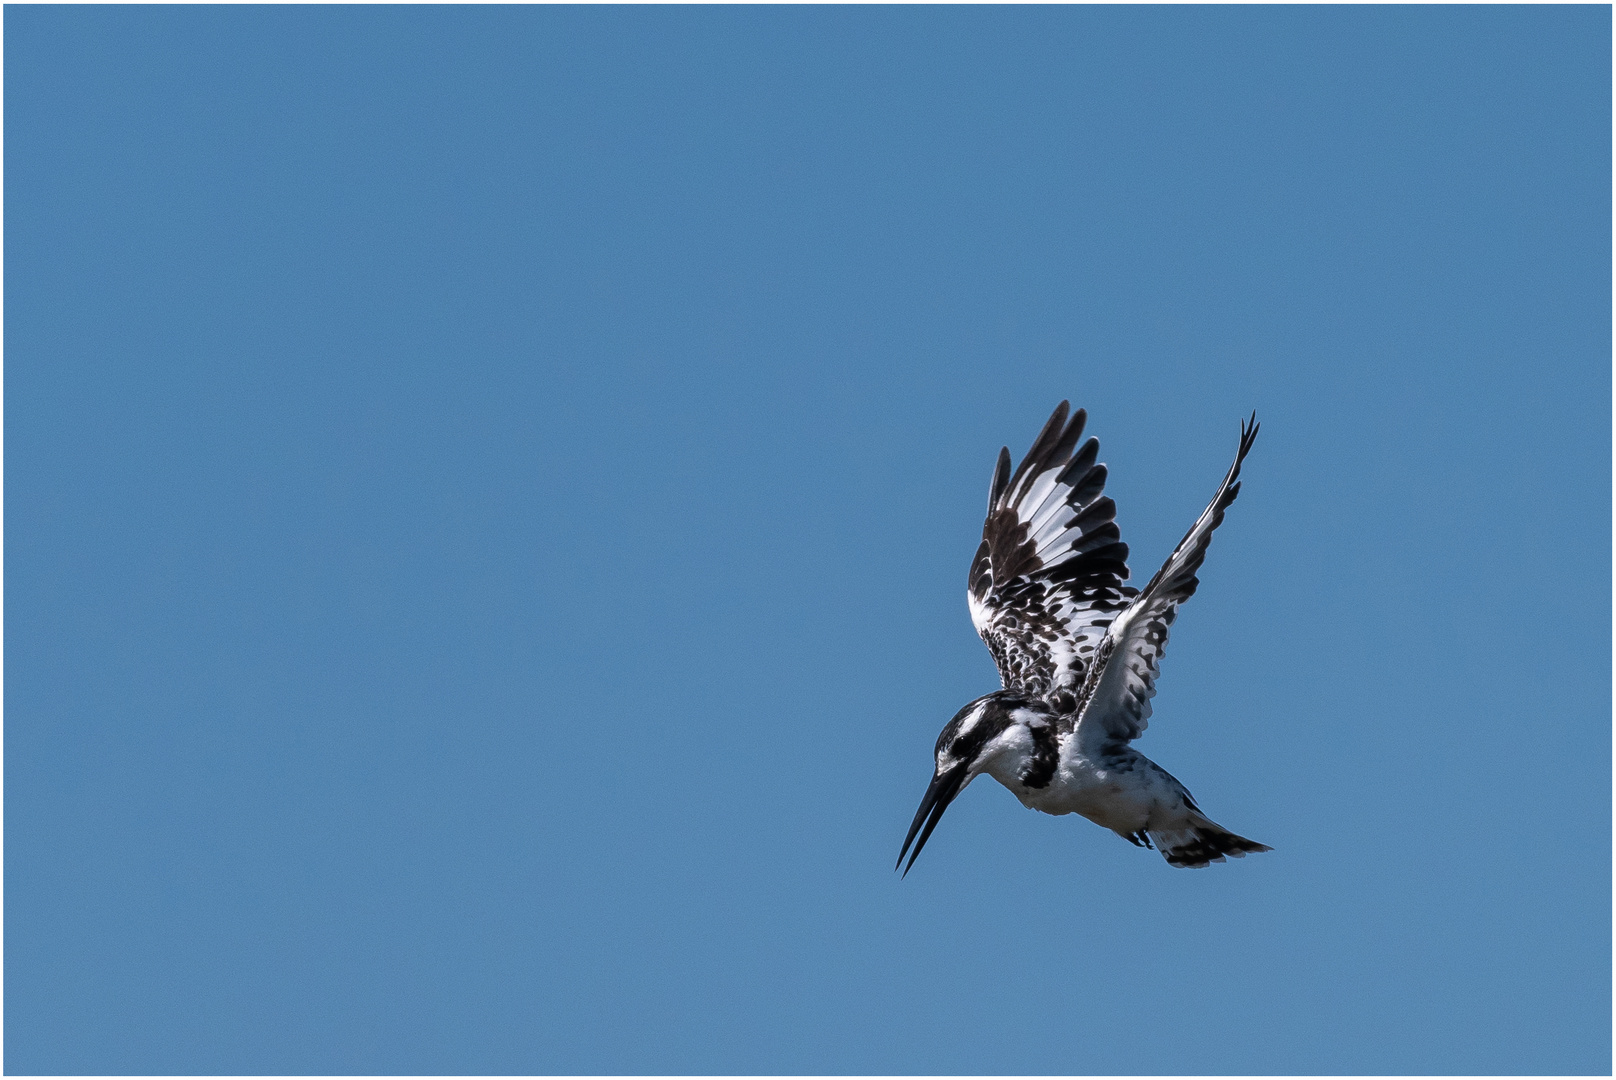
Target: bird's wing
<point x="1117" y="706"/>
<point x="1047" y="579"/>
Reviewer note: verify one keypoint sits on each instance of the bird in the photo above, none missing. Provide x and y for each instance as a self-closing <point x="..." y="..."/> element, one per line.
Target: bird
<point x="1078" y="654"/>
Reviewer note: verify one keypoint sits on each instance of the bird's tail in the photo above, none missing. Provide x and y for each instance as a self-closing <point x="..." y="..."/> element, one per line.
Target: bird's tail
<point x="1200" y="843"/>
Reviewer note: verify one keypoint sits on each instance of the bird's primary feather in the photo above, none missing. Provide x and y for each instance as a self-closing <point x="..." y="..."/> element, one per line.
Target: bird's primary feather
<point x="1047" y="577"/>
<point x="1116" y="704"/>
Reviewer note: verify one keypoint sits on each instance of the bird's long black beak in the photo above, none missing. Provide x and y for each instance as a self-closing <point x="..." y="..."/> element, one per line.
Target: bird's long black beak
<point x="944" y="786"/>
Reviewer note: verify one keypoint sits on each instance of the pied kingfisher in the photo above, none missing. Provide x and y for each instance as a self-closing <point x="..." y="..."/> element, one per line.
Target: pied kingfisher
<point x="1078" y="653"/>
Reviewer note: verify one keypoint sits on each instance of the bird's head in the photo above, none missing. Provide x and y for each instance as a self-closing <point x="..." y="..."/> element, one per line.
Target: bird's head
<point x="991" y="734"/>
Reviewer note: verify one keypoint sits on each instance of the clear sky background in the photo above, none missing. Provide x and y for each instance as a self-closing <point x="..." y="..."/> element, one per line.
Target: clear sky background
<point x="489" y="495"/>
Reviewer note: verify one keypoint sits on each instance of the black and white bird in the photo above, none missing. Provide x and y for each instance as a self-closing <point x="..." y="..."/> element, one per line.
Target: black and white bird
<point x="1078" y="653"/>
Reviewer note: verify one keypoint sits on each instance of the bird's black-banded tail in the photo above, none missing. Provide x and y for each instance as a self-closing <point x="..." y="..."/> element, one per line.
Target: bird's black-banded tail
<point x="1201" y="845"/>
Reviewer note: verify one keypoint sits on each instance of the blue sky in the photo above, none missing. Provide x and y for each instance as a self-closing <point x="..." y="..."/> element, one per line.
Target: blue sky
<point x="490" y="492"/>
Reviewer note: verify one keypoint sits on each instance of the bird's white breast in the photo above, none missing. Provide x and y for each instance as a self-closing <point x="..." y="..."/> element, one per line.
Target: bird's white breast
<point x="1118" y="793"/>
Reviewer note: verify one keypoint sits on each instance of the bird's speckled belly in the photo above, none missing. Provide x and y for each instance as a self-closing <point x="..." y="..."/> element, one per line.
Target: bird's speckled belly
<point x="1111" y="794"/>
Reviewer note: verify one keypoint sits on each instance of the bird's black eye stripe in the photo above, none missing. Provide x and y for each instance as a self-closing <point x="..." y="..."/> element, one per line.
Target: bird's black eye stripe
<point x="971" y="743"/>
<point x="994" y="720"/>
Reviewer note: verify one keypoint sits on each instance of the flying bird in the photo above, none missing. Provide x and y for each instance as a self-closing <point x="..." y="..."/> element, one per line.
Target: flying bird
<point x="1078" y="653"/>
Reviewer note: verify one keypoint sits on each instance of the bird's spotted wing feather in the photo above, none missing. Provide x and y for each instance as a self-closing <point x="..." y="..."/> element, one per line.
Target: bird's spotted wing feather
<point x="1116" y="706"/>
<point x="1047" y="578"/>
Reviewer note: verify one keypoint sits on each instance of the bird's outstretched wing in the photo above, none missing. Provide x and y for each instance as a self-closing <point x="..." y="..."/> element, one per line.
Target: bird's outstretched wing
<point x="1116" y="706"/>
<point x="1047" y="579"/>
